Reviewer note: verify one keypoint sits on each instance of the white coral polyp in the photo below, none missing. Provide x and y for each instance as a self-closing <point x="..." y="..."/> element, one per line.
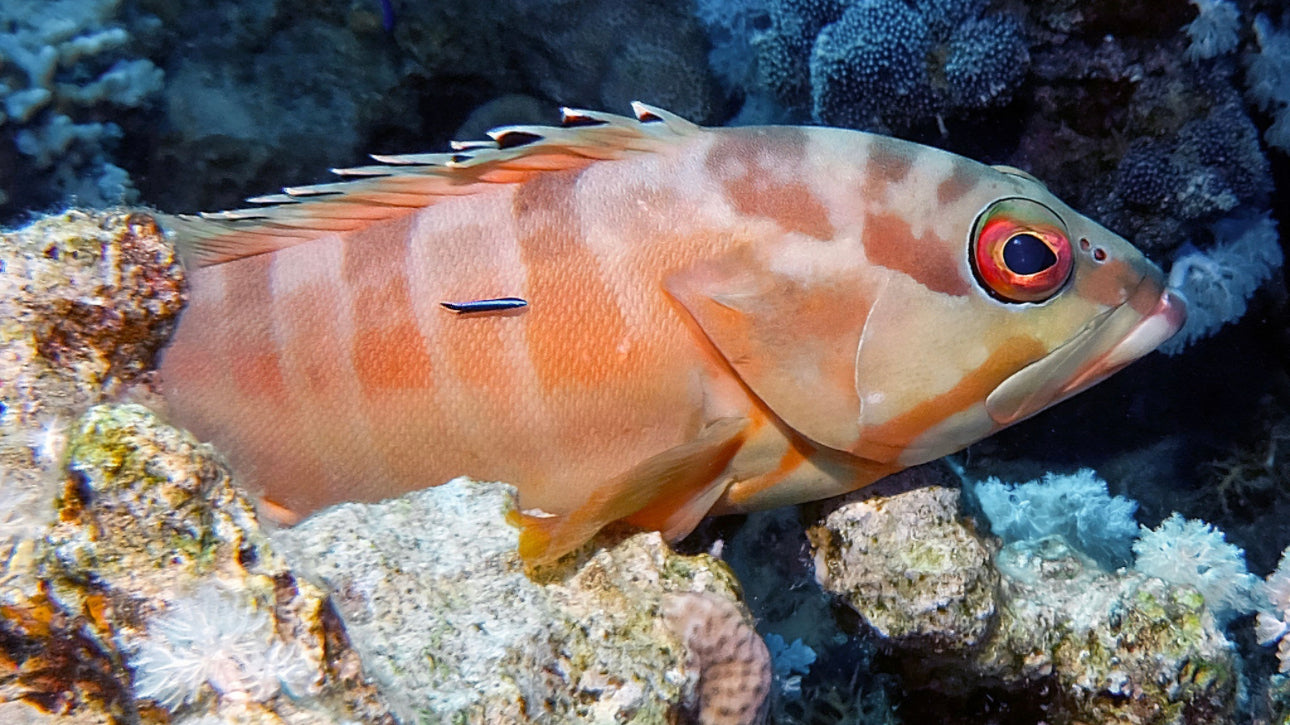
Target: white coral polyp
<point x="217" y="638"/>
<point x="1273" y="621"/>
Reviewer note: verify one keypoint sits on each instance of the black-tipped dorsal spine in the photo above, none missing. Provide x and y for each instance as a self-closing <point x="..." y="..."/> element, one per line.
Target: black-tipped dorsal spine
<point x="644" y="115"/>
<point x="511" y="139"/>
<point x="573" y="118"/>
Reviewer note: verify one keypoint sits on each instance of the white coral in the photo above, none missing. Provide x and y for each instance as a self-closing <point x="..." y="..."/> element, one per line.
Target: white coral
<point x="54" y="74"/>
<point x="218" y="637"/>
<point x="1217" y="283"/>
<point x="1195" y="554"/>
<point x="1214" y="31"/>
<point x="1273" y="621"/>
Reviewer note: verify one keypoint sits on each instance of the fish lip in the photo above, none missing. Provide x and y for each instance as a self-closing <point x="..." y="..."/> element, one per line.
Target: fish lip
<point x="1111" y="342"/>
<point x="1164" y="320"/>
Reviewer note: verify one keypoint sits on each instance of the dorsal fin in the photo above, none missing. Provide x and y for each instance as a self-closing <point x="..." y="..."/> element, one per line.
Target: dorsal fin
<point x="399" y="184"/>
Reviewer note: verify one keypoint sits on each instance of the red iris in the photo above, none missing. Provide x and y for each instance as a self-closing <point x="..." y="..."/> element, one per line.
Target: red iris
<point x="1020" y="261"/>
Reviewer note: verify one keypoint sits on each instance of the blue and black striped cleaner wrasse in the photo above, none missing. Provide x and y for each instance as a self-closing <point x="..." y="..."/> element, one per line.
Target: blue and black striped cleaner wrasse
<point x="654" y="321"/>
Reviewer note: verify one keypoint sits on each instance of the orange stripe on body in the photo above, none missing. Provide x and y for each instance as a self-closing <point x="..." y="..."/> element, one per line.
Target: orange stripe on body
<point x="889" y="241"/>
<point x="963" y="177"/>
<point x="756" y="169"/>
<point x="252" y="354"/>
<point x="388" y="349"/>
<point x="884" y="442"/>
<point x="573" y="319"/>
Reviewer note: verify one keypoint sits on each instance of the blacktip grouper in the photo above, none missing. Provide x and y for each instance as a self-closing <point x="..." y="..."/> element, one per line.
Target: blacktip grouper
<point x="645" y="320"/>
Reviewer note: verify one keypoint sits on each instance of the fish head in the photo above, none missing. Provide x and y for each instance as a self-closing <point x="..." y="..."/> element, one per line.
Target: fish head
<point x="1054" y="304"/>
<point x="935" y="301"/>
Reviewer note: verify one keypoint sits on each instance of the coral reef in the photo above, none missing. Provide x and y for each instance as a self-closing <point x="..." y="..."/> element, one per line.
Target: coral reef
<point x="733" y="662"/>
<point x="1076" y="507"/>
<point x="86" y="300"/>
<point x="66" y="70"/>
<point x="481" y="641"/>
<point x="97" y="621"/>
<point x="1268" y="74"/>
<point x="1273" y="620"/>
<point x="1194" y="554"/>
<point x="887" y="64"/>
<point x="1214" y="31"/>
<point x="1070" y="640"/>
<point x="820" y="673"/>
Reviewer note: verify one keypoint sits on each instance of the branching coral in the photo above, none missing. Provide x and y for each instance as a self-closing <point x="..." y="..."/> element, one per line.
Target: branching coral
<point x="1214" y="31"/>
<point x="1273" y="621"/>
<point x="1218" y="283"/>
<point x="62" y="62"/>
<point x="1268" y="75"/>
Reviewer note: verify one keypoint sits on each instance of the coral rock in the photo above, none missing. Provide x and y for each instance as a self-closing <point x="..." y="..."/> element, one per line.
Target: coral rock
<point x="449" y="623"/>
<point x="907" y="564"/>
<point x="1038" y="626"/>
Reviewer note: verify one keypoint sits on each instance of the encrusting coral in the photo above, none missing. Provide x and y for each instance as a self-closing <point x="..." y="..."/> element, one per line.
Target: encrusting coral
<point x="114" y="522"/>
<point x="1075" y="641"/>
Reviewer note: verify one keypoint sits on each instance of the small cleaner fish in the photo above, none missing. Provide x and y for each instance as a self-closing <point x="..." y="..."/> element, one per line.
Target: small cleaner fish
<point x="643" y="320"/>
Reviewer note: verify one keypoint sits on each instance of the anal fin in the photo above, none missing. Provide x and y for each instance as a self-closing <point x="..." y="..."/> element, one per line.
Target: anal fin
<point x="668" y="492"/>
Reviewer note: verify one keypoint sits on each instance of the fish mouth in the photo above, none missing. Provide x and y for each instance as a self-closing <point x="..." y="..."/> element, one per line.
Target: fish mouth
<point x="1149" y="317"/>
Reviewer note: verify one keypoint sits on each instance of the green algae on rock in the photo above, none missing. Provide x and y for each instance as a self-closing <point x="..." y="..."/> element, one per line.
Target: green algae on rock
<point x="1074" y="641"/>
<point x="158" y="560"/>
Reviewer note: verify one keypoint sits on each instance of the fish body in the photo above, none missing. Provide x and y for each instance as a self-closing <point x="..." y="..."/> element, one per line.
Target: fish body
<point x="701" y="320"/>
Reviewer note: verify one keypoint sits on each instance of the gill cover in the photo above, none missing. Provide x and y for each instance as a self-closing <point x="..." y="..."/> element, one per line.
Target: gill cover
<point x="792" y="341"/>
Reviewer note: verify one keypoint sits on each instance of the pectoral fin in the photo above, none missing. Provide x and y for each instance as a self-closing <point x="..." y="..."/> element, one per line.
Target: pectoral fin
<point x="792" y="338"/>
<point x="669" y="492"/>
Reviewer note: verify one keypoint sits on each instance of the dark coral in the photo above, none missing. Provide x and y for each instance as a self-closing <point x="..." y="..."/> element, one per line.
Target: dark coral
<point x="784" y="49"/>
<point x="868" y="68"/>
<point x="988" y="58"/>
<point x="1166" y="190"/>
<point x="888" y="64"/>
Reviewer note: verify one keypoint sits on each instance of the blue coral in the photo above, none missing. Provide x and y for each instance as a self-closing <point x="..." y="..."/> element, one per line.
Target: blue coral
<point x="1076" y="507"/>
<point x="988" y="58"/>
<point x="868" y="68"/>
<point x="888" y="64"/>
<point x="1268" y="74"/>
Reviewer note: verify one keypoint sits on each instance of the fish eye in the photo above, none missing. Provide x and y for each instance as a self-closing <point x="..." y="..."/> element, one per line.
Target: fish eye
<point x="1020" y="251"/>
<point x="1026" y="253"/>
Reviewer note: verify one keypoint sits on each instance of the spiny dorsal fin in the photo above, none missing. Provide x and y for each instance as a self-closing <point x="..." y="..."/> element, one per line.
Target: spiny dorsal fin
<point x="400" y="184"/>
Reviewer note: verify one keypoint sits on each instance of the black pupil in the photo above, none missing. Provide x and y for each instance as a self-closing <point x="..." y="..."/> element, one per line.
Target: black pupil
<point x="1027" y="254"/>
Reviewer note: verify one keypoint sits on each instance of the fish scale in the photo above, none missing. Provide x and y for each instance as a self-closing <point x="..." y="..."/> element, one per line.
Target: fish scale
<point x="702" y="320"/>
